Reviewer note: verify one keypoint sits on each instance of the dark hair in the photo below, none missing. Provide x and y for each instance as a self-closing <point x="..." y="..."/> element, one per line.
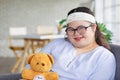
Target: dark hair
<point x="99" y="37"/>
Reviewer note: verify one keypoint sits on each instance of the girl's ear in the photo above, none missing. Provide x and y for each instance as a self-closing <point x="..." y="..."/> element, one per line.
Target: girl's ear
<point x="94" y="26"/>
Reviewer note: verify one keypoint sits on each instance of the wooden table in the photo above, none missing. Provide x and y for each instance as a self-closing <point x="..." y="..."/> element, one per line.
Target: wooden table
<point x="29" y="42"/>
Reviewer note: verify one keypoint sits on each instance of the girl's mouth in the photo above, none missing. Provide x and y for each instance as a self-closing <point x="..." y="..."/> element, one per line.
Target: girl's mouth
<point x="78" y="38"/>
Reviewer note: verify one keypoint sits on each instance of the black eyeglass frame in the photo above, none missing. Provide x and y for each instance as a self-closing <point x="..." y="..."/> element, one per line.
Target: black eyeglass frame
<point x="81" y="27"/>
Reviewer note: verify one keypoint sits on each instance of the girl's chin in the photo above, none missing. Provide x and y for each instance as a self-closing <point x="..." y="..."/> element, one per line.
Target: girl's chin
<point x="79" y="45"/>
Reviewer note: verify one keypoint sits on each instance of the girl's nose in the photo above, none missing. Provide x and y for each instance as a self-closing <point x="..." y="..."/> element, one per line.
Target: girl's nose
<point x="76" y="32"/>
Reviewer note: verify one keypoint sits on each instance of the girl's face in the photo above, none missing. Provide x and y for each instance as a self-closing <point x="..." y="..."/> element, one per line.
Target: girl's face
<point x="81" y="33"/>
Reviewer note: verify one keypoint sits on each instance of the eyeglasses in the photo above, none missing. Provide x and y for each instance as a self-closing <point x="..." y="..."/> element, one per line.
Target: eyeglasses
<point x="80" y="29"/>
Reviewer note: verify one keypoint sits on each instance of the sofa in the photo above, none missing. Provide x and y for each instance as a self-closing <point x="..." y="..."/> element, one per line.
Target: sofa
<point x="114" y="48"/>
<point x="116" y="51"/>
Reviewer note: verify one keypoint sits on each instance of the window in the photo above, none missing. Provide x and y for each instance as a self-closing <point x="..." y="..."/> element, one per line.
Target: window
<point x="108" y="10"/>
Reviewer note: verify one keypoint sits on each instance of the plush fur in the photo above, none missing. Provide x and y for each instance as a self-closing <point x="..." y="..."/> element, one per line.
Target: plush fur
<point x="41" y="65"/>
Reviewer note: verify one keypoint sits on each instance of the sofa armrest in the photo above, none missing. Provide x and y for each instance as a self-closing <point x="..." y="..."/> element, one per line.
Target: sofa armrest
<point x="10" y="76"/>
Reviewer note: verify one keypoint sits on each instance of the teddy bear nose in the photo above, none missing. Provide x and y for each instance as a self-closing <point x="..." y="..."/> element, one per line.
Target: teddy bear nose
<point x="42" y="64"/>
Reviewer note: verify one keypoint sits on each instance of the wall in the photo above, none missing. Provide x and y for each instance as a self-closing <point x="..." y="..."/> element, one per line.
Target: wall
<point x="30" y="13"/>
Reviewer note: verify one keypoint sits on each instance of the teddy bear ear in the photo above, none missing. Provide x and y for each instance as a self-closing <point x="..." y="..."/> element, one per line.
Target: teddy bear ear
<point x="29" y="58"/>
<point x="51" y="58"/>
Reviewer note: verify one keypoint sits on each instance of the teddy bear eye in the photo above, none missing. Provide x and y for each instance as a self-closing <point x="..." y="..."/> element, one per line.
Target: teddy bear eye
<point x="42" y="64"/>
<point x="37" y="63"/>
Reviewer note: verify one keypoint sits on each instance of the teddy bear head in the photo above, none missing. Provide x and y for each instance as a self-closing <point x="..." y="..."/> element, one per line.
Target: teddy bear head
<point x="40" y="62"/>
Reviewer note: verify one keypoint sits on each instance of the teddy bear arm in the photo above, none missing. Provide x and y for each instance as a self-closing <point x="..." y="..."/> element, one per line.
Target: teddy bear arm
<point x="28" y="74"/>
<point x="52" y="76"/>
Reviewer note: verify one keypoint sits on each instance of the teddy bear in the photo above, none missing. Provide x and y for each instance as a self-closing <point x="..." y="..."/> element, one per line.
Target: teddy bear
<point x="41" y="64"/>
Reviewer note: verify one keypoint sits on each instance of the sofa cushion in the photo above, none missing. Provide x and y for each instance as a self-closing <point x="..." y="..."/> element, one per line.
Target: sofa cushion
<point x="116" y="51"/>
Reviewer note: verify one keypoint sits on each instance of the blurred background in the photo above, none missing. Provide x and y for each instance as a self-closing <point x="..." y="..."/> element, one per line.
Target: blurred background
<point x="34" y="13"/>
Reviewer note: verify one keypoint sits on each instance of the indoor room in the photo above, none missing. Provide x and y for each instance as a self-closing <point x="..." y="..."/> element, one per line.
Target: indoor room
<point x="27" y="26"/>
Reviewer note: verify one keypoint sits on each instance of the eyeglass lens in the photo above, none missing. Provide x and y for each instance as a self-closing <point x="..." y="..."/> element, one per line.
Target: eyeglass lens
<point x="80" y="29"/>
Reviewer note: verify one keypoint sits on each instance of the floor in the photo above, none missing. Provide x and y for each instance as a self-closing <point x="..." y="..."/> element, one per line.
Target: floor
<point x="6" y="64"/>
